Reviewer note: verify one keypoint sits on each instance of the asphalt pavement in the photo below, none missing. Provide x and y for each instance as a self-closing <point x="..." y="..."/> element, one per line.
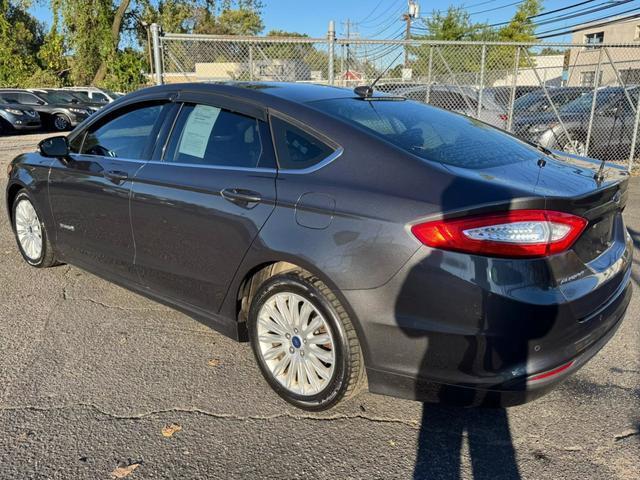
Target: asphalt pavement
<point x="98" y="383"/>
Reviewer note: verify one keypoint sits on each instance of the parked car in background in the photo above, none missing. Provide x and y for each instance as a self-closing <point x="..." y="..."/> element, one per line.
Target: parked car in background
<point x="16" y="117"/>
<point x="348" y="237"/>
<point x="611" y="129"/>
<point x="75" y="98"/>
<point x="502" y="95"/>
<point x="95" y="94"/>
<point x="454" y="98"/>
<point x="55" y="111"/>
<point x="538" y="101"/>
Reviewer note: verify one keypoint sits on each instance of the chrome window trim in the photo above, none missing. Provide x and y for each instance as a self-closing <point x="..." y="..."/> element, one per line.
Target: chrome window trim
<point x="317" y="166"/>
<point x="191" y="165"/>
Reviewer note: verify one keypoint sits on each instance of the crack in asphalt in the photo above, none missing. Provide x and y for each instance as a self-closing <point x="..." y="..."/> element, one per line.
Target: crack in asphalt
<point x="223" y="416"/>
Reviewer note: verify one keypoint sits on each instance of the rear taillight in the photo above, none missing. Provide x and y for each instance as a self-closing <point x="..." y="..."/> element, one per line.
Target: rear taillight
<point x="517" y="233"/>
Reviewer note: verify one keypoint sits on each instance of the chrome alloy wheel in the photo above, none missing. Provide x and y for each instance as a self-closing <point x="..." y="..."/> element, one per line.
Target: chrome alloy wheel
<point x="28" y="230"/>
<point x="296" y="343"/>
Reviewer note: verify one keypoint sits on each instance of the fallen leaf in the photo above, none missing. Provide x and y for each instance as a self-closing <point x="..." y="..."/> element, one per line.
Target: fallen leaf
<point x="125" y="471"/>
<point x="630" y="432"/>
<point x="214" y="362"/>
<point x="169" y="430"/>
<point x="392" y="443"/>
<point x="575" y="448"/>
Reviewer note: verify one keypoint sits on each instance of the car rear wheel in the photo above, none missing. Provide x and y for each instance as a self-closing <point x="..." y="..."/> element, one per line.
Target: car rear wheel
<point x="61" y="123"/>
<point x="30" y="232"/>
<point x="304" y="341"/>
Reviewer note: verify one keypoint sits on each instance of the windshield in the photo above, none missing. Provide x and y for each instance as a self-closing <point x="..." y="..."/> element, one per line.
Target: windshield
<point x="583" y="104"/>
<point x="430" y="133"/>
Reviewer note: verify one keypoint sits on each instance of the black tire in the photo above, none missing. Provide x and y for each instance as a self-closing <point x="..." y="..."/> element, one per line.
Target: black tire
<point x="349" y="373"/>
<point x="60" y="122"/>
<point x="47" y="255"/>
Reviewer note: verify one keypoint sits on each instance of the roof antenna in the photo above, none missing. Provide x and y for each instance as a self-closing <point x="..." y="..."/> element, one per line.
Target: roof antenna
<point x="366" y="91"/>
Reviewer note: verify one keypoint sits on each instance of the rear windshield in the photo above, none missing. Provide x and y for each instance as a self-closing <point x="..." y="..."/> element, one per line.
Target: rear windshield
<point x="431" y="133"/>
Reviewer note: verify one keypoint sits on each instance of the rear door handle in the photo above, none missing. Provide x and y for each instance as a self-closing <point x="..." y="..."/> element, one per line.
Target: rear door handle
<point x="243" y="198"/>
<point x="116" y="176"/>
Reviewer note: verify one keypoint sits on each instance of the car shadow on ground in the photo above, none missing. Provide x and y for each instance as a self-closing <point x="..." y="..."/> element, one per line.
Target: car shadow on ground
<point x="471" y="333"/>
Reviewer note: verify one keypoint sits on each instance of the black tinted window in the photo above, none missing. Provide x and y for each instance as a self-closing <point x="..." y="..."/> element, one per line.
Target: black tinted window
<point x="206" y="135"/>
<point x="431" y="133"/>
<point x="296" y="148"/>
<point x="124" y="136"/>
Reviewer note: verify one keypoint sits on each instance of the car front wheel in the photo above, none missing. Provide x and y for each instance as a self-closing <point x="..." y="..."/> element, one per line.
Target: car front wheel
<point x="30" y="232"/>
<point x="304" y="341"/>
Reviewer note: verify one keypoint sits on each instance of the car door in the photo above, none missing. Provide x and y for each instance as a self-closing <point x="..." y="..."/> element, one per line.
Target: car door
<point x="199" y="205"/>
<point x="89" y="191"/>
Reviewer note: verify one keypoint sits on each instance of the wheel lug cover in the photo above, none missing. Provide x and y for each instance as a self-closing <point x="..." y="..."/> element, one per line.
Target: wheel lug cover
<point x="287" y="335"/>
<point x="291" y="350"/>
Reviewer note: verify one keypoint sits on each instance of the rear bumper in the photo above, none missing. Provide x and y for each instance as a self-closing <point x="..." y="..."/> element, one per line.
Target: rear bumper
<point x="471" y="330"/>
<point x="518" y="391"/>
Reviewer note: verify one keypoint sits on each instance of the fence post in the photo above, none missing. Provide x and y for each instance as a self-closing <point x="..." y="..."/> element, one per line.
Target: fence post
<point x="429" y="79"/>
<point x="157" y="60"/>
<point x="596" y="82"/>
<point x="331" y="40"/>
<point x="251" y="62"/>
<point x="483" y="55"/>
<point x="514" y="84"/>
<point x="634" y="137"/>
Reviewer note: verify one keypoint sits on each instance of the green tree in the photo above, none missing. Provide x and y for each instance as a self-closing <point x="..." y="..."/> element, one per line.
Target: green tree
<point x="126" y="71"/>
<point x="20" y="38"/>
<point x="521" y="28"/>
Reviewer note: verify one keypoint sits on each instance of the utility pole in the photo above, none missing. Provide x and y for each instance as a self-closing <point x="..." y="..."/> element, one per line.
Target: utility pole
<point x="348" y="24"/>
<point x="413" y="12"/>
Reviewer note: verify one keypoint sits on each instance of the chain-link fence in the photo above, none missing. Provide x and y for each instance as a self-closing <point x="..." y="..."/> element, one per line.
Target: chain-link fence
<point x="579" y="98"/>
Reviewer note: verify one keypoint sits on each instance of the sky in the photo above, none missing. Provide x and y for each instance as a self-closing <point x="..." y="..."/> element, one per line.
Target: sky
<point x="374" y="18"/>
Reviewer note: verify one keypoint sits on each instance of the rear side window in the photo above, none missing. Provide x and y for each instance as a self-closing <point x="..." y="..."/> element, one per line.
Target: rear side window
<point x="296" y="148"/>
<point x="207" y="135"/>
<point x="125" y="136"/>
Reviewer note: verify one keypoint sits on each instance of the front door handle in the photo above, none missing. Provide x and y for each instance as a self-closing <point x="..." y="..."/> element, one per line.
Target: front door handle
<point x="244" y="198"/>
<point x="116" y="176"/>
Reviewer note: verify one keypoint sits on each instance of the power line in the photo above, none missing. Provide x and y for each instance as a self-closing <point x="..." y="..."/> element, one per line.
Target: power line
<point x="371" y="12"/>
<point x="577" y="13"/>
<point x="498" y="8"/>
<point x="604" y="6"/>
<point x="589" y="25"/>
<point x="561" y="9"/>
<point x="393" y="16"/>
<point x="464" y="7"/>
<point x="383" y="14"/>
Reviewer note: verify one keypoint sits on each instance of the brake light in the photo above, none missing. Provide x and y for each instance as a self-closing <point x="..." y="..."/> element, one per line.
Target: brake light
<point x="517" y="233"/>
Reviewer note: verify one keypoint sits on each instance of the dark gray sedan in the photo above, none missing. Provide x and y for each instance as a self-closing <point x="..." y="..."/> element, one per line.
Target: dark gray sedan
<point x="354" y="240"/>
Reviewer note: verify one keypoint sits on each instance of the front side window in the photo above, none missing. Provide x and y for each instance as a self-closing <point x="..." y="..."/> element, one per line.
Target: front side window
<point x="125" y="136"/>
<point x="29" y="99"/>
<point x="207" y="135"/>
<point x="296" y="148"/>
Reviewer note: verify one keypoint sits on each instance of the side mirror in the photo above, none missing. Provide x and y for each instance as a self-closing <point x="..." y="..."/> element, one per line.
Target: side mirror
<point x="55" y="147"/>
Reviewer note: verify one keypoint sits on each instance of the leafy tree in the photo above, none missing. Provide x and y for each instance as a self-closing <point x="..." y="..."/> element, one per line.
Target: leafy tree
<point x="20" y="38"/>
<point x="521" y="28"/>
<point x="126" y="71"/>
